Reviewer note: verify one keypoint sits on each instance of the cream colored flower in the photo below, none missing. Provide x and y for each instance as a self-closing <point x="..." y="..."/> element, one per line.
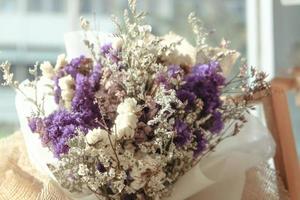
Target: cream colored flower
<point x="67" y="94"/>
<point x="124" y="132"/>
<point x="138" y="180"/>
<point x="66" y="82"/>
<point x="126" y="121"/>
<point x="66" y="85"/>
<point x="183" y="54"/>
<point x="96" y="135"/>
<point x="117" y="43"/>
<point x="128" y="106"/>
<point x="145" y="28"/>
<point x="129" y="119"/>
<point x="60" y="62"/>
<point x="144" y="164"/>
<point x="47" y="69"/>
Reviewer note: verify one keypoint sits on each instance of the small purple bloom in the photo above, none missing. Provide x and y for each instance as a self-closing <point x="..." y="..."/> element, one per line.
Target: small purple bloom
<point x="101" y="168"/>
<point x="215" y="124"/>
<point x="62" y="125"/>
<point x="106" y="49"/>
<point x="187" y="96"/>
<point x="201" y="143"/>
<point x="73" y="67"/>
<point x="35" y="124"/>
<point x="174" y="71"/>
<point x="204" y="82"/>
<point x="110" y="53"/>
<point x="129" y="197"/>
<point x="183" y="133"/>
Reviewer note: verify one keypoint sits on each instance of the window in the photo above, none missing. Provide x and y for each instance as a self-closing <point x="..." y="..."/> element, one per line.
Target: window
<point x="86" y="6"/>
<point x="8" y="6"/>
<point x="39" y="6"/>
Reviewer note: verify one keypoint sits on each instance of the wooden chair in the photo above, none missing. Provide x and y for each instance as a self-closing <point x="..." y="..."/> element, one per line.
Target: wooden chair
<point x="279" y="123"/>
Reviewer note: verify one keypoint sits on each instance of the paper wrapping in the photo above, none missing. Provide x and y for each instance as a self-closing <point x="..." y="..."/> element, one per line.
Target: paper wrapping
<point x="221" y="175"/>
<point x="21" y="181"/>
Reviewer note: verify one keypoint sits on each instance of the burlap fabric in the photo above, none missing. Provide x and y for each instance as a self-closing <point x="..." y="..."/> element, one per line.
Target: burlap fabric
<point x="20" y="181"/>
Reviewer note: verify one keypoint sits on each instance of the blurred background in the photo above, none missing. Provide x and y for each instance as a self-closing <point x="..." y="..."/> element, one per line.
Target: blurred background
<point x="33" y="30"/>
<point x="266" y="32"/>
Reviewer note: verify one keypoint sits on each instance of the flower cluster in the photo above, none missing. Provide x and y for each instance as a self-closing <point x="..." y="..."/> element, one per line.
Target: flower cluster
<point x="145" y="109"/>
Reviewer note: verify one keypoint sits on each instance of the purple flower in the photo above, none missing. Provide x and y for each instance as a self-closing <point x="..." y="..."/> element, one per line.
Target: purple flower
<point x="174" y="71"/>
<point x="95" y="77"/>
<point x="106" y="49"/>
<point x="35" y="124"/>
<point x="74" y="66"/>
<point x="129" y="197"/>
<point x="204" y="82"/>
<point x="62" y="125"/>
<point x="101" y="168"/>
<point x="183" y="133"/>
<point x="215" y="124"/>
<point x="187" y="96"/>
<point x="110" y="53"/>
<point x="201" y="143"/>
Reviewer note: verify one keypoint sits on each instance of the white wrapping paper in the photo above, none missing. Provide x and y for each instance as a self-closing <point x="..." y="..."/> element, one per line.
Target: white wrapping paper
<point x="219" y="176"/>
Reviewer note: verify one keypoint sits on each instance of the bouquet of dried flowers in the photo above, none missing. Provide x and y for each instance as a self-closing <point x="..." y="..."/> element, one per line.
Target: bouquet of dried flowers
<point x="141" y="111"/>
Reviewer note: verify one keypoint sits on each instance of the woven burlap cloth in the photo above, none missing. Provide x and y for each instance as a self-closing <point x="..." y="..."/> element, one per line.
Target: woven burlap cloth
<point x="20" y="181"/>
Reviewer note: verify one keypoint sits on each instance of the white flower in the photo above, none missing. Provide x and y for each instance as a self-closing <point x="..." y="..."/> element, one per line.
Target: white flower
<point x="66" y="82"/>
<point x="60" y="62"/>
<point x="125" y="125"/>
<point x="117" y="43"/>
<point x="67" y="94"/>
<point x="126" y="121"/>
<point x="47" y="69"/>
<point x="145" y="28"/>
<point x="66" y="85"/>
<point x="183" y="54"/>
<point x="128" y="106"/>
<point x="138" y="180"/>
<point x="125" y="131"/>
<point x="96" y="135"/>
<point x="142" y="165"/>
<point x="83" y="170"/>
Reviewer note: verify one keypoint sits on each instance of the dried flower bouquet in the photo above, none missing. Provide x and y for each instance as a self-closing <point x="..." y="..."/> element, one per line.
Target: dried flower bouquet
<point x="141" y="111"/>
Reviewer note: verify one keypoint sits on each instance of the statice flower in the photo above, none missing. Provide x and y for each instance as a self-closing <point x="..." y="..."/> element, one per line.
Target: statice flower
<point x="84" y="115"/>
<point x="183" y="133"/>
<point x="187" y="97"/>
<point x="174" y="71"/>
<point x="215" y="124"/>
<point x="61" y="126"/>
<point x="109" y="52"/>
<point x="35" y="124"/>
<point x="95" y="77"/>
<point x="74" y="66"/>
<point x="205" y="82"/>
<point x="201" y="143"/>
